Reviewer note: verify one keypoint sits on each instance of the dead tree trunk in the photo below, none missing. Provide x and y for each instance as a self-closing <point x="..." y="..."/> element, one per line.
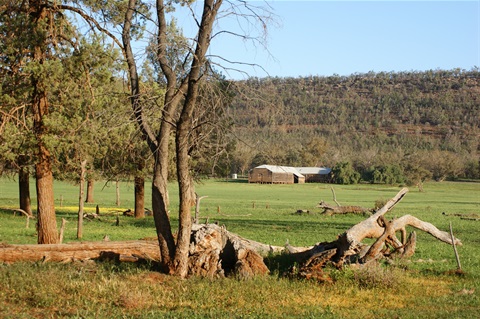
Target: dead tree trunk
<point x="340" y="209"/>
<point x="79" y="251"/>
<point x="333" y="210"/>
<point x="349" y="248"/>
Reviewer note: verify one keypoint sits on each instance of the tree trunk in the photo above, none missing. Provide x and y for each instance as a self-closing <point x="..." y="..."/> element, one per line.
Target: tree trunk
<point x="161" y="218"/>
<point x="90" y="185"/>
<point x="183" y="133"/>
<point x="187" y="201"/>
<point x="46" y="222"/>
<point x="139" y="197"/>
<point x="80" y="251"/>
<point x="46" y="219"/>
<point x="117" y="192"/>
<point x="24" y="190"/>
<point x="159" y="144"/>
<point x="80" y="199"/>
<point x="214" y="252"/>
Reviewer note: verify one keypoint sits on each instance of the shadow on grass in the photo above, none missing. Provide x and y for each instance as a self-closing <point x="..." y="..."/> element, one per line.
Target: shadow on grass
<point x="237" y="181"/>
<point x="280" y="264"/>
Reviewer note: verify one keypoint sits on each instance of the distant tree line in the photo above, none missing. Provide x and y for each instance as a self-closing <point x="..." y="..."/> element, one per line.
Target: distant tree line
<point x="390" y="127"/>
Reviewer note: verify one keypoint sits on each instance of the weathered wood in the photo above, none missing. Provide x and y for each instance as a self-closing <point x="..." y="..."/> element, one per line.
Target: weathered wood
<point x="216" y="252"/>
<point x="62" y="230"/>
<point x="78" y="251"/>
<point x="375" y="250"/>
<point x="197" y="206"/>
<point x="459" y="266"/>
<point x="349" y="247"/>
<point x="333" y="210"/>
<point x="27" y="215"/>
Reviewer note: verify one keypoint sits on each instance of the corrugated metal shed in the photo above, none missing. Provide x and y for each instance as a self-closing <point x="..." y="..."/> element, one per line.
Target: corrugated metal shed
<point x="274" y="174"/>
<point x="281" y="169"/>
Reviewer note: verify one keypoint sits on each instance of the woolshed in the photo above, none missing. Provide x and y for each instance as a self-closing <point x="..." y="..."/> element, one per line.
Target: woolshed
<point x="315" y="174"/>
<point x="272" y="174"/>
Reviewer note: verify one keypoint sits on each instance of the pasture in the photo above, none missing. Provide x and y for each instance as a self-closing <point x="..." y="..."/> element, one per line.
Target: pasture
<point x="423" y="287"/>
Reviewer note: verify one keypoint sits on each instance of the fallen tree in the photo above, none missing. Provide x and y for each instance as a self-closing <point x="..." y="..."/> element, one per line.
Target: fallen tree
<point x="341" y="209"/>
<point x="334" y="210"/>
<point x="216" y="252"/>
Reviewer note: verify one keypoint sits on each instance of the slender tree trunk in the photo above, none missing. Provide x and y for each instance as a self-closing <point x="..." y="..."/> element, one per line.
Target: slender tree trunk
<point x="80" y="199"/>
<point x="158" y="144"/>
<point x="162" y="220"/>
<point x="187" y="200"/>
<point x="46" y="222"/>
<point x="24" y="189"/>
<point x="139" y="197"/>
<point x="89" y="197"/>
<point x="182" y="143"/>
<point x="117" y="192"/>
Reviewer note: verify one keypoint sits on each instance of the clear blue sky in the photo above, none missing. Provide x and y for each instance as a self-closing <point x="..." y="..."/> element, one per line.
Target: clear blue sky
<point x="344" y="37"/>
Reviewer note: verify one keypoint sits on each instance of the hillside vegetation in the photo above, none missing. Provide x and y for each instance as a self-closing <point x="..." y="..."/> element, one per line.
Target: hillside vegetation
<point x="425" y="122"/>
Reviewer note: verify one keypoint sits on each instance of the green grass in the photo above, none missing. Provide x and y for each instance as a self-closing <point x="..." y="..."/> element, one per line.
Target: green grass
<point x="419" y="288"/>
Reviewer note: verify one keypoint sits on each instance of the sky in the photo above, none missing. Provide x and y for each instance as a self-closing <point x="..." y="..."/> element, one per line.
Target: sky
<point x="323" y="38"/>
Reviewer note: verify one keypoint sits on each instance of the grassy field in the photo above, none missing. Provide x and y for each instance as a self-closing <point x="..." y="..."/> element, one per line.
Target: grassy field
<point x="420" y="288"/>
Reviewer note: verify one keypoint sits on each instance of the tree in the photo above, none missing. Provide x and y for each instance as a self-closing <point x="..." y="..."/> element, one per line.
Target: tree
<point x="31" y="37"/>
<point x="344" y="173"/>
<point x="182" y="84"/>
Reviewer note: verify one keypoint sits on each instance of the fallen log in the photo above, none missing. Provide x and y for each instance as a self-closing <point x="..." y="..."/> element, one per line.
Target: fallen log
<point x="333" y="210"/>
<point x="216" y="252"/>
<point x="340" y="209"/>
<point x="141" y="249"/>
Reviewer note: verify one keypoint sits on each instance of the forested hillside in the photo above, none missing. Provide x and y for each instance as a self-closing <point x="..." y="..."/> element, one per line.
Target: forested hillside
<point x="419" y="124"/>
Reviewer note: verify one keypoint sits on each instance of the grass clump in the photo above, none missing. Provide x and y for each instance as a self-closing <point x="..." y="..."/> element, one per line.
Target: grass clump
<point x="374" y="275"/>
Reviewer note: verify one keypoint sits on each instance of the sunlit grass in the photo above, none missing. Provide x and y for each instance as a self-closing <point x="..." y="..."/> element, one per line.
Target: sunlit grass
<point x="419" y="288"/>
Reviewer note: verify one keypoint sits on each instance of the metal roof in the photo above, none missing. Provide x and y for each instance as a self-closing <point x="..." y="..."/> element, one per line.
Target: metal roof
<point x="281" y="169"/>
<point x="314" y="170"/>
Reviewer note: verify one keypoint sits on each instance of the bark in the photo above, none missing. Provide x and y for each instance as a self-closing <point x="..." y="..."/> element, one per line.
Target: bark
<point x="90" y="186"/>
<point x="158" y="144"/>
<point x="46" y="222"/>
<point x="182" y="143"/>
<point x="79" y="251"/>
<point x="333" y="210"/>
<point x="349" y="247"/>
<point x="24" y="190"/>
<point x="139" y="197"/>
<point x="214" y="252"/>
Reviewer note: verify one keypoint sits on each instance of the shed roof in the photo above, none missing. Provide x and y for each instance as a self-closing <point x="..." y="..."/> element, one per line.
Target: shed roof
<point x="281" y="169"/>
<point x="314" y="170"/>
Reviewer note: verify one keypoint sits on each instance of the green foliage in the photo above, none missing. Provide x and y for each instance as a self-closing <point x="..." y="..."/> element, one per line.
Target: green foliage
<point x="344" y="173"/>
<point x="385" y="174"/>
<point x="424" y="119"/>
